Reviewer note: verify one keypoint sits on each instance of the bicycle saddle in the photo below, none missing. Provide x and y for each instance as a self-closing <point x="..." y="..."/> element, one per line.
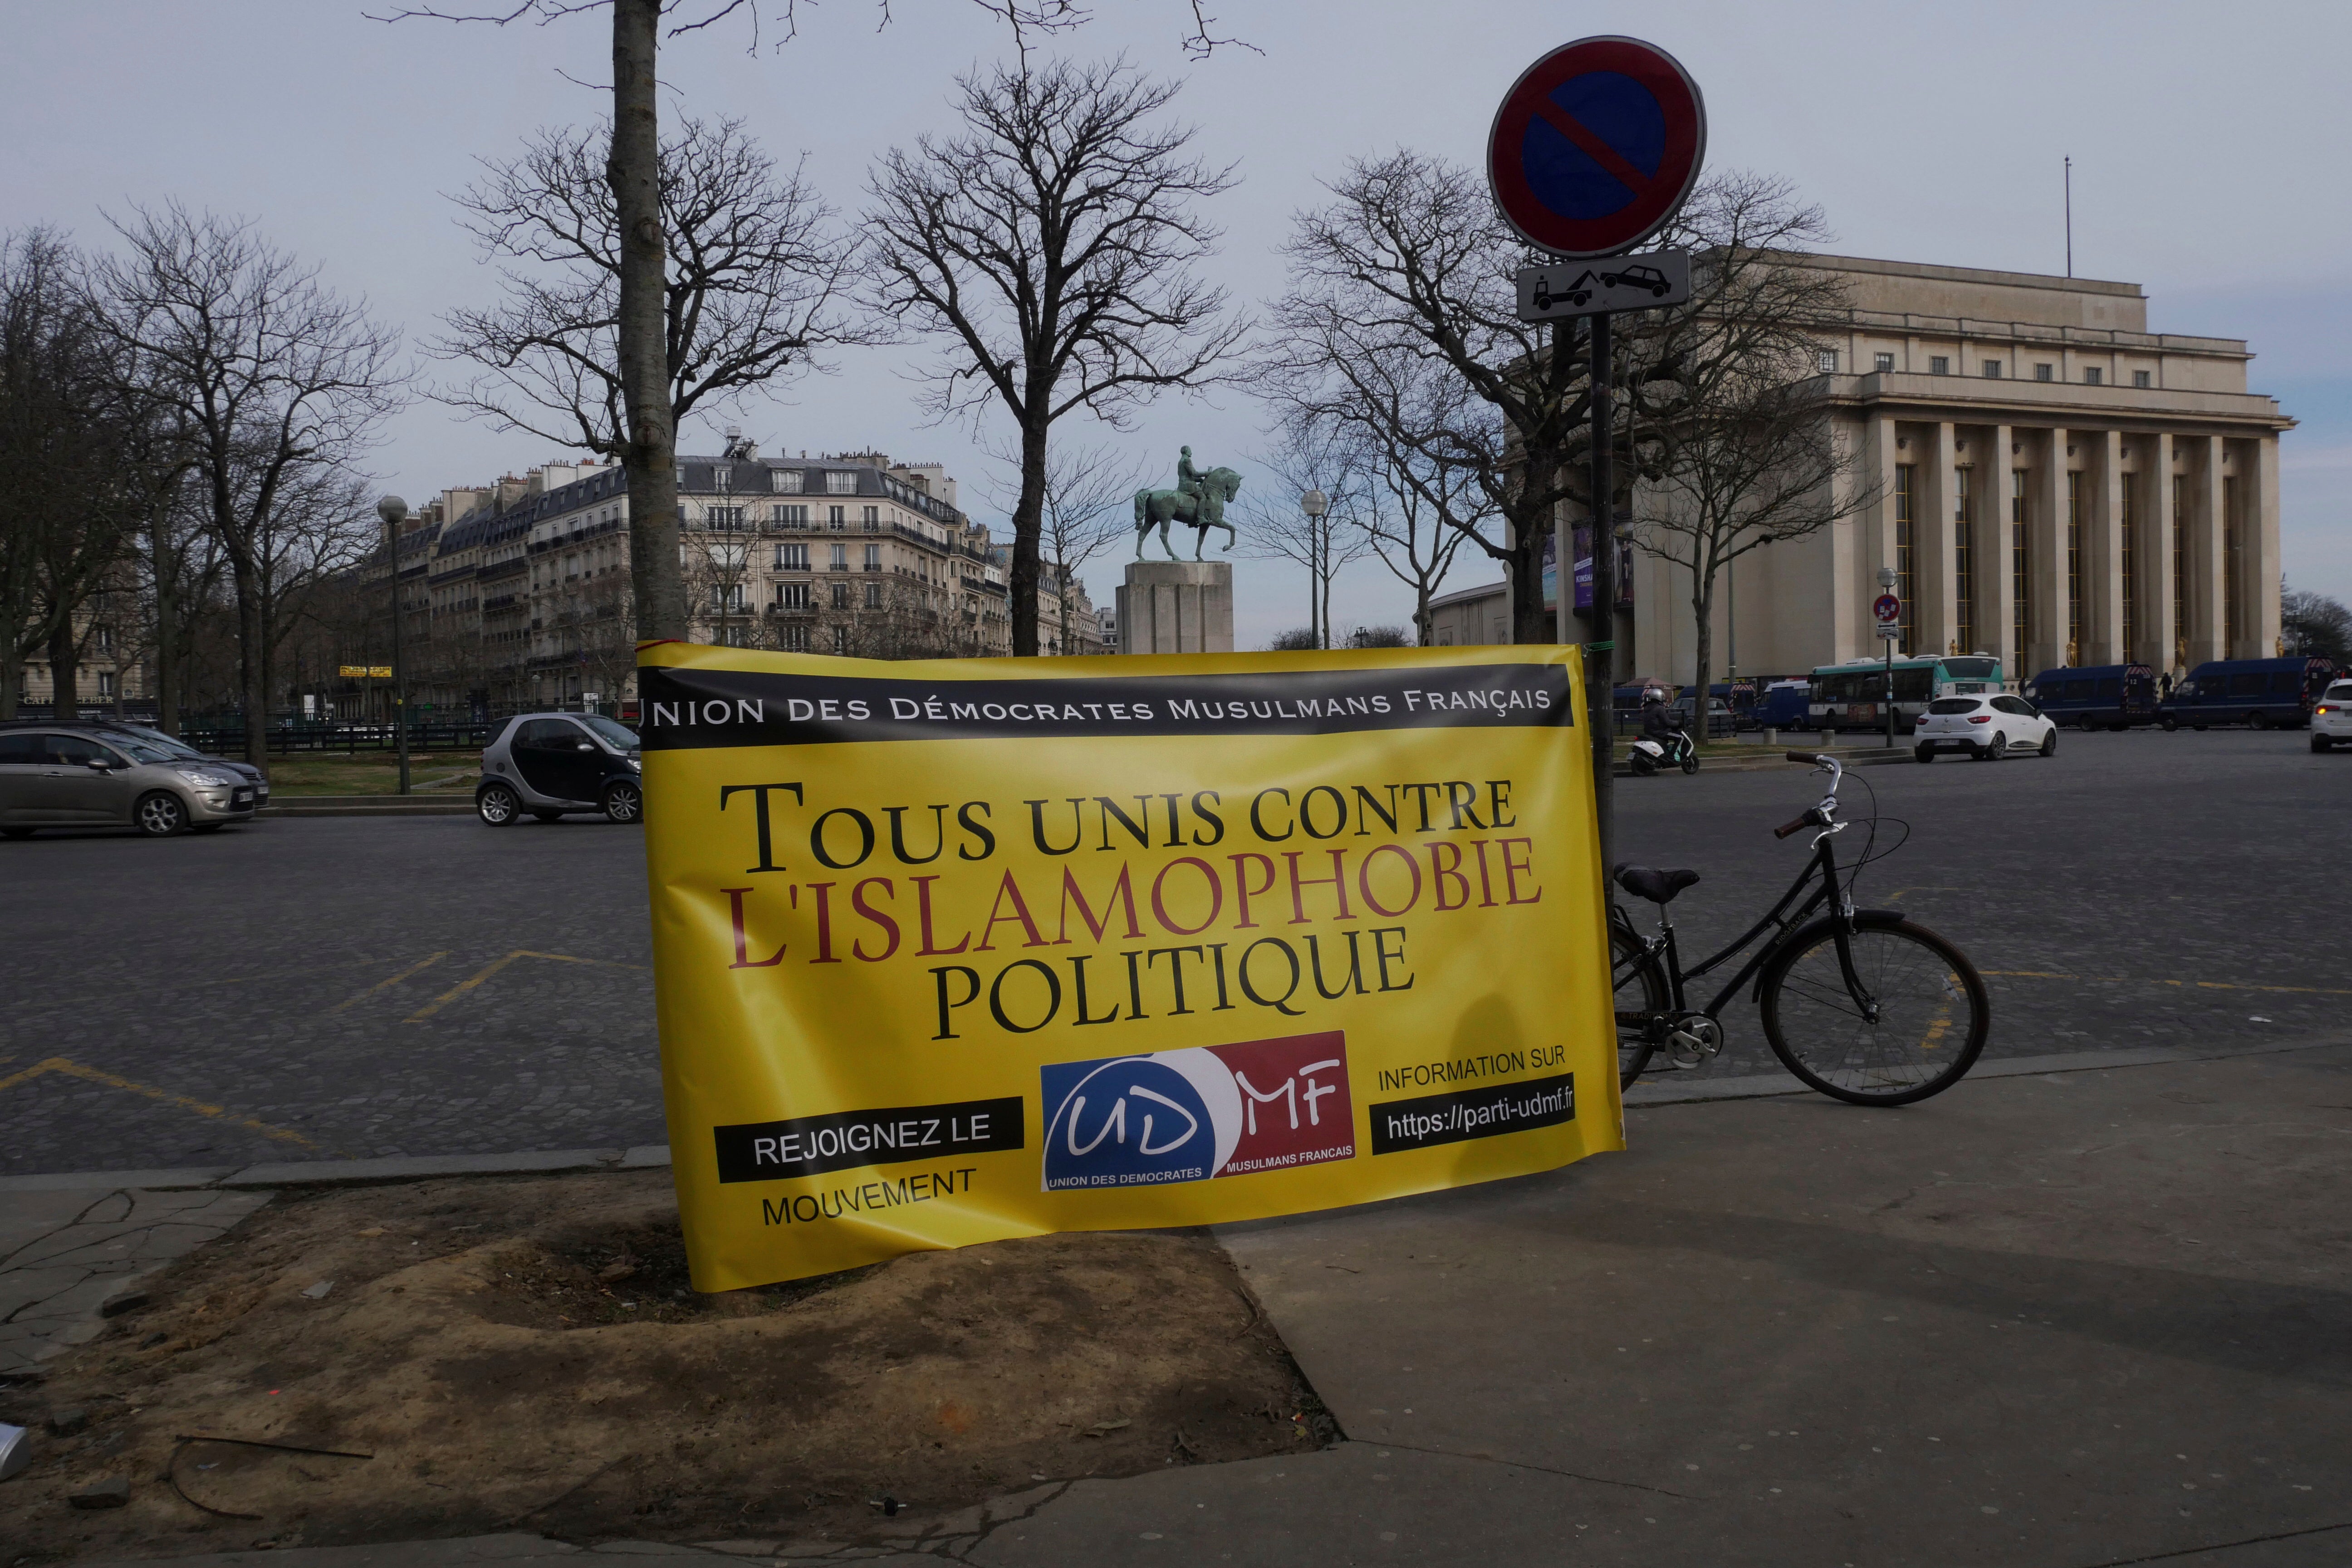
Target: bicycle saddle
<point x="1658" y="886"/>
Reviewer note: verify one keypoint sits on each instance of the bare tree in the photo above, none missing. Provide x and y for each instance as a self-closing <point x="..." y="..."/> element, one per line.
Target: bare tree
<point x="1409" y="265"/>
<point x="1416" y="510"/>
<point x="1312" y="454"/>
<point x="1089" y="505"/>
<point x="1727" y="406"/>
<point x="181" y="565"/>
<point x="631" y="172"/>
<point x="277" y="385"/>
<point x="83" y="464"/>
<point x="752" y="287"/>
<point x="1051" y="242"/>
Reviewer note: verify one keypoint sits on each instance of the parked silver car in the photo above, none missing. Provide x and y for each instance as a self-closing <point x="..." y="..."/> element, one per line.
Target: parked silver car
<point x="73" y="776"/>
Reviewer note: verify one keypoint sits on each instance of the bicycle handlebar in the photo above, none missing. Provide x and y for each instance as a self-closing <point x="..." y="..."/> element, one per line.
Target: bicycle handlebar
<point x="1810" y="819"/>
<point x="1807" y="757"/>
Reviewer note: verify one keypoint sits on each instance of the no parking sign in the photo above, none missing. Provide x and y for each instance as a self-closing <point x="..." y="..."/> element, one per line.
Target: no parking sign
<point x="1596" y="146"/>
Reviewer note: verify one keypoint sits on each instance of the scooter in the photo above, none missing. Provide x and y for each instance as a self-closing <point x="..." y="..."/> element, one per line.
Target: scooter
<point x="1649" y="756"/>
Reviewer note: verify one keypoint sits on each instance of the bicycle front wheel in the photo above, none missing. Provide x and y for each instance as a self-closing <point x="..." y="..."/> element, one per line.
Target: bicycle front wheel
<point x="1641" y="1002"/>
<point x="1932" y="1013"/>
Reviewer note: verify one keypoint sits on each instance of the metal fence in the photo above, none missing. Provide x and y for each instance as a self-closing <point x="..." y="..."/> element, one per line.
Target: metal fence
<point x="291" y="739"/>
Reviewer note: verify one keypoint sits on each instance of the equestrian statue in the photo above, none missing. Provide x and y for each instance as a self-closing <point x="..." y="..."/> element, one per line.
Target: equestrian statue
<point x="1199" y="498"/>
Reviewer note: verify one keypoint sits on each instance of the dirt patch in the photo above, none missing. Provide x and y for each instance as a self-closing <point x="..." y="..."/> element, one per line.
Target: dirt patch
<point x="526" y="1354"/>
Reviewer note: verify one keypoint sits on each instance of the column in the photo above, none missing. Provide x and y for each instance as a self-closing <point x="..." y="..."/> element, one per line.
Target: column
<point x="1852" y="546"/>
<point x="2046" y="531"/>
<point x="2157" y="630"/>
<point x="1931" y="545"/>
<point x="2258" y="492"/>
<point x="1876" y="521"/>
<point x="2208" y="618"/>
<point x="2103" y="545"/>
<point x="1996" y="578"/>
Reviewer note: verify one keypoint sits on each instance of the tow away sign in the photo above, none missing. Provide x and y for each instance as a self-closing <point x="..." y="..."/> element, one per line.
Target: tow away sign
<point x="1565" y="289"/>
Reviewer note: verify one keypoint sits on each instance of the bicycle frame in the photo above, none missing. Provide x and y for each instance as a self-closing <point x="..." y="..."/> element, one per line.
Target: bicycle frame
<point x="1819" y="874"/>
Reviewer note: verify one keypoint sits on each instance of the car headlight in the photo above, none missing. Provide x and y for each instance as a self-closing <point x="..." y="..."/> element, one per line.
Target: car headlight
<point x="641" y="768"/>
<point x="207" y="778"/>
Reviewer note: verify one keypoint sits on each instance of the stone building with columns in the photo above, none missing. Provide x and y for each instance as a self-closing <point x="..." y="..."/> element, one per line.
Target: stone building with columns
<point x="2051" y="482"/>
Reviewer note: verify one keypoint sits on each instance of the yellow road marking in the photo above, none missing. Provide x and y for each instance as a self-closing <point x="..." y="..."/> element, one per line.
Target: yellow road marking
<point x="492" y="968"/>
<point x="2137" y="980"/>
<point x="59" y="1064"/>
<point x="48" y="1002"/>
<point x="1943" y="1017"/>
<point x="385" y="984"/>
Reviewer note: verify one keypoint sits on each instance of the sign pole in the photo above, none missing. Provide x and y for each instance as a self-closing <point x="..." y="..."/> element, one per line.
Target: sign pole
<point x="1890" y="691"/>
<point x="1600" y="648"/>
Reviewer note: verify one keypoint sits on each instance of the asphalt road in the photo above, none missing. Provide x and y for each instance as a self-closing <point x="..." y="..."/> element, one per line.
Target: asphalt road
<point x="298" y="988"/>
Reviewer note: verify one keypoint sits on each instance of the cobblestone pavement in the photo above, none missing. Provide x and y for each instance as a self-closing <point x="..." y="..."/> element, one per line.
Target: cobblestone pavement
<point x="332" y="987"/>
<point x="299" y="989"/>
<point x="67" y="1256"/>
<point x="2136" y="890"/>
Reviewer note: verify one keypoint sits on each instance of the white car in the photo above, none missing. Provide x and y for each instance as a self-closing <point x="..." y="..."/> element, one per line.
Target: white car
<point x="2331" y="717"/>
<point x="1987" y="727"/>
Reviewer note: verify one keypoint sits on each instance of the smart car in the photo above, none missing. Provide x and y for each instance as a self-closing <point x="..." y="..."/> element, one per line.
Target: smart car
<point x="548" y="764"/>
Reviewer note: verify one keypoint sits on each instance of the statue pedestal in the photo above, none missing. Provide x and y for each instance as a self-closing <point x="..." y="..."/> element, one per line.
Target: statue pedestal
<point x="1176" y="607"/>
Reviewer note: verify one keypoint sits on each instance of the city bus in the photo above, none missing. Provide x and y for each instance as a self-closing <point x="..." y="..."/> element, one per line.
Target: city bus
<point x="1853" y="696"/>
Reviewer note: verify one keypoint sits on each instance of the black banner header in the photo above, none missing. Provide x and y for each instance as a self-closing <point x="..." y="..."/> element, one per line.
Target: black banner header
<point x="698" y="708"/>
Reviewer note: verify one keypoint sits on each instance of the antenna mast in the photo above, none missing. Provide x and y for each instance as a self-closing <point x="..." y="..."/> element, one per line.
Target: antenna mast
<point x="2069" y="217"/>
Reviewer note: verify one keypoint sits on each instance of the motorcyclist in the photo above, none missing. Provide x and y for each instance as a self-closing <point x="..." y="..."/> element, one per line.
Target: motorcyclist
<point x="1657" y="720"/>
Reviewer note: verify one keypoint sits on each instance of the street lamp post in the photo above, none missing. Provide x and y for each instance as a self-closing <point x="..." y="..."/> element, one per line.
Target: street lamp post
<point x="392" y="508"/>
<point x="1315" y="503"/>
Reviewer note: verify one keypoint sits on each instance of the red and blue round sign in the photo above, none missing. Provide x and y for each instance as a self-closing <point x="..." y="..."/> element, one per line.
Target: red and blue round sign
<point x="1596" y="146"/>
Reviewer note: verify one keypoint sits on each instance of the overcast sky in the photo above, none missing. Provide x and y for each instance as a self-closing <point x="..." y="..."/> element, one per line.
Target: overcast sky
<point x="2208" y="152"/>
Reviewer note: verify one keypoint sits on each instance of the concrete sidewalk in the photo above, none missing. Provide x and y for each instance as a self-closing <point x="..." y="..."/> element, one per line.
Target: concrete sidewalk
<point x="2092" y="1317"/>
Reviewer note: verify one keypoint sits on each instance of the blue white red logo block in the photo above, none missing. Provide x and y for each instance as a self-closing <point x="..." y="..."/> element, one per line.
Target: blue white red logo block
<point x="1196" y="1114"/>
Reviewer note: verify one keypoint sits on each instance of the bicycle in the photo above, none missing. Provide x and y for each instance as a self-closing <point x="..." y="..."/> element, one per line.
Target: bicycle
<point x="1864" y="1005"/>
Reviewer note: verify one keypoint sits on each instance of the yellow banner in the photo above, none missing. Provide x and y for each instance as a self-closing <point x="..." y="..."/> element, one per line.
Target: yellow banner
<point x="952" y="952"/>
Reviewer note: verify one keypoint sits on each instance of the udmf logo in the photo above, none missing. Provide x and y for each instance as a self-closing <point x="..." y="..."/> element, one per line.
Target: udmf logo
<point x="1194" y="1114"/>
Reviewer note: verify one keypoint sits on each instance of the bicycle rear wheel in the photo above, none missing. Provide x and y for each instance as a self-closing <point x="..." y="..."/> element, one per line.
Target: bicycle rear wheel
<point x="1641" y="1000"/>
<point x="1933" y="1012"/>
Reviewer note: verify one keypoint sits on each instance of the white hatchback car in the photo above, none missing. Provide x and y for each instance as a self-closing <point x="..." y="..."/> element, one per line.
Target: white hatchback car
<point x="1987" y="727"/>
<point x="2331" y="717"/>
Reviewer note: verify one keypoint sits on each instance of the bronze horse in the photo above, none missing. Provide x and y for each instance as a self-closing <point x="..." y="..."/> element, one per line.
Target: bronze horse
<point x="1203" y="511"/>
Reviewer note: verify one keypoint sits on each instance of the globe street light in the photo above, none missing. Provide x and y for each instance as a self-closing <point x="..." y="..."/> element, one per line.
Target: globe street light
<point x="1315" y="503"/>
<point x="393" y="509"/>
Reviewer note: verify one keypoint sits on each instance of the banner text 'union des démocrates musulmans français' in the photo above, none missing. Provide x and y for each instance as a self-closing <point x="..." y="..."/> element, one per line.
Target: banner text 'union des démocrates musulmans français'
<point x="952" y="952"/>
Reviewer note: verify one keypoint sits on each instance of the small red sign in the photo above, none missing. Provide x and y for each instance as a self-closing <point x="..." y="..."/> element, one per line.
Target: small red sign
<point x="1888" y="609"/>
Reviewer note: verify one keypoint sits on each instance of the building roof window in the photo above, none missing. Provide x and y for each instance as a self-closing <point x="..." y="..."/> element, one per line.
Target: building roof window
<point x="2045" y="373"/>
<point x="2143" y="378"/>
<point x="1940" y="364"/>
<point x="1992" y="370"/>
<point x="2091" y="376"/>
<point x="785" y="482"/>
<point x="1882" y="362"/>
<point x="841" y="482"/>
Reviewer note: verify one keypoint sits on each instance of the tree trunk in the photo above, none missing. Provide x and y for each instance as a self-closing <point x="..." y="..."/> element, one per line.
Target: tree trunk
<point x="1703" y="644"/>
<point x="649" y="454"/>
<point x="1323" y="579"/>
<point x="1421" y="613"/>
<point x="254" y="694"/>
<point x="64" y="695"/>
<point x="1028" y="525"/>
<point x="1530" y="623"/>
<point x="12" y="670"/>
